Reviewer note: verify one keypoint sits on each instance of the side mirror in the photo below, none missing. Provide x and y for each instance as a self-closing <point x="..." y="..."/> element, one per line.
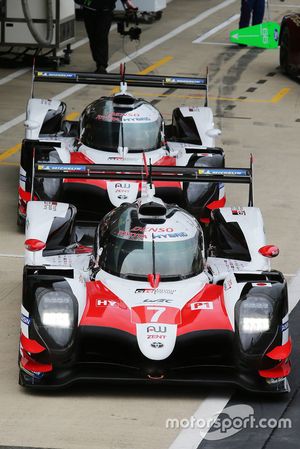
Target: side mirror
<point x="214" y="132"/>
<point x="269" y="251"/>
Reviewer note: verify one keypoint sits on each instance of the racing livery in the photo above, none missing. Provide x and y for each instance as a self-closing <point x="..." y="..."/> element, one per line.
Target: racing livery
<point x="145" y="295"/>
<point x="290" y="44"/>
<point x="119" y="129"/>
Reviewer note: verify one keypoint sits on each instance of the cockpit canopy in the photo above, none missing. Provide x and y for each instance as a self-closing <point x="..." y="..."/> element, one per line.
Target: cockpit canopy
<point x="132" y="250"/>
<point x="121" y="121"/>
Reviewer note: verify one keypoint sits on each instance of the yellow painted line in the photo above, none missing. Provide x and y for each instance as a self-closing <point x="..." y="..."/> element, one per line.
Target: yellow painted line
<point x="149" y="69"/>
<point x="13" y="150"/>
<point x="155" y="65"/>
<point x="280" y="95"/>
<point x="197" y="96"/>
<point x="10" y="152"/>
<point x="6" y="164"/>
<point x="72" y="116"/>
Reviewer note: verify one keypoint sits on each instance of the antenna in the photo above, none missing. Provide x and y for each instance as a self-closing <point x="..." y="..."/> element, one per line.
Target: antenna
<point x="251" y="201"/>
<point x="206" y="92"/>
<point x="123" y="84"/>
<point x="32" y="78"/>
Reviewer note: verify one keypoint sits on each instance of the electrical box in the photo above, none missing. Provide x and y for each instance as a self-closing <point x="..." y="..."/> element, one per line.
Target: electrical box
<point x="15" y="30"/>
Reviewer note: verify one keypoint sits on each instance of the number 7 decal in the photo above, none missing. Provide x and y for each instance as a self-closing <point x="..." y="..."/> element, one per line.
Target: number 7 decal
<point x="155" y="314"/>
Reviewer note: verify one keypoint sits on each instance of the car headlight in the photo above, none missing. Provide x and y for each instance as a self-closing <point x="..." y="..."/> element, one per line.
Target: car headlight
<point x="255" y="313"/>
<point x="56" y="315"/>
<point x="254" y="319"/>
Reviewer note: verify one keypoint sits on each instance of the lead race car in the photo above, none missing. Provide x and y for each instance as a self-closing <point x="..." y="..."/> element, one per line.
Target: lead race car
<point x="149" y="297"/>
<point x="122" y="129"/>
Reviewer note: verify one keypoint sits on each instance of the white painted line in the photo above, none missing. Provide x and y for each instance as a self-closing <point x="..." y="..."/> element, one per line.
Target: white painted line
<point x="212" y="406"/>
<point x="6" y="126"/>
<point x="208" y="411"/>
<point x="16" y="256"/>
<point x="216" y="29"/>
<point x="21" y="72"/>
<point x="217" y="43"/>
<point x="13" y="75"/>
<point x="284" y="5"/>
<point x="294" y="291"/>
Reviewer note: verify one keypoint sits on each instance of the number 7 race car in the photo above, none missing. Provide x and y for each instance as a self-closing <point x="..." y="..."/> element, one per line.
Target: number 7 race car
<point x="145" y="296"/>
<point x="119" y="129"/>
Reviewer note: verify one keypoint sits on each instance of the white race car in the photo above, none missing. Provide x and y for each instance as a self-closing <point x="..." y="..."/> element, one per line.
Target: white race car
<point x="147" y="297"/>
<point x="119" y="129"/>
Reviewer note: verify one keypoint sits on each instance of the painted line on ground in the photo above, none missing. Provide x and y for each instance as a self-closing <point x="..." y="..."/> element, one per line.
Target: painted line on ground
<point x="8" y="153"/>
<point x="17" y="73"/>
<point x="217" y="43"/>
<point x="280" y="95"/>
<point x="212" y="406"/>
<point x="149" y="69"/>
<point x="75" y="115"/>
<point x="208" y="411"/>
<point x="74" y="89"/>
<point x="274" y="99"/>
<point x="216" y="29"/>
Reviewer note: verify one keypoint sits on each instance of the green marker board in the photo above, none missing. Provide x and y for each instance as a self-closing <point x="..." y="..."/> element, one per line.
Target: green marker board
<point x="265" y="35"/>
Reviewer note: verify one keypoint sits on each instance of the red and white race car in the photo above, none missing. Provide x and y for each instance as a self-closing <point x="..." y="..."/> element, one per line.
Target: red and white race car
<point x="119" y="129"/>
<point x="147" y="297"/>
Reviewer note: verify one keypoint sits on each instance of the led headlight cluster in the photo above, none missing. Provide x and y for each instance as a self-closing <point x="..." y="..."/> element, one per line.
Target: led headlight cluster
<point x="255" y="314"/>
<point x="254" y="320"/>
<point x="56" y="315"/>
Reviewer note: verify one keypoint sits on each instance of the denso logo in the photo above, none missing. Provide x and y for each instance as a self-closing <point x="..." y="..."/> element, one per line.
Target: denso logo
<point x="143" y="229"/>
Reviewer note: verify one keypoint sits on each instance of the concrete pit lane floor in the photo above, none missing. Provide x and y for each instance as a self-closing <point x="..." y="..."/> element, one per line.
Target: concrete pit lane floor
<point x="258" y="110"/>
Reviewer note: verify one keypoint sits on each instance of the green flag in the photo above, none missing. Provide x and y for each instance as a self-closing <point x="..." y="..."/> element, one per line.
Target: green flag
<point x="264" y="35"/>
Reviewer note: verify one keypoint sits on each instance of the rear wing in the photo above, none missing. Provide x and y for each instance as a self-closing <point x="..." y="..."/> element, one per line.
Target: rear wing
<point x="113" y="79"/>
<point x="143" y="173"/>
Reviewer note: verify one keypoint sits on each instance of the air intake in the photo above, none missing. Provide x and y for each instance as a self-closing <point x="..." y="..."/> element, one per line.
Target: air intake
<point x="152" y="213"/>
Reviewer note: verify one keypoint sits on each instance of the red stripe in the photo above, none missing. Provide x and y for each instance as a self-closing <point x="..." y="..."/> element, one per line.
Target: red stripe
<point x="25" y="196"/>
<point x="281" y="352"/>
<point x="104" y="308"/>
<point x="170" y="161"/>
<point x="217" y="204"/>
<point x="31" y="345"/>
<point x="202" y="318"/>
<point x="36" y="367"/>
<point x="281" y="370"/>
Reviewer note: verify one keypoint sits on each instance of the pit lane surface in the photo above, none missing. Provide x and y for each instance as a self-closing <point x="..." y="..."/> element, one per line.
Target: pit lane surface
<point x="257" y="109"/>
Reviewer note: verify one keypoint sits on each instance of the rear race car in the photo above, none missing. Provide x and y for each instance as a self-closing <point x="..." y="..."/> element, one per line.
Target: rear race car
<point x="148" y="297"/>
<point x="290" y="44"/>
<point x="118" y="129"/>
